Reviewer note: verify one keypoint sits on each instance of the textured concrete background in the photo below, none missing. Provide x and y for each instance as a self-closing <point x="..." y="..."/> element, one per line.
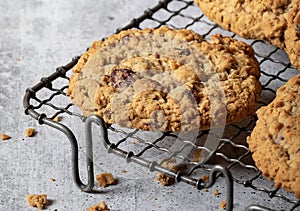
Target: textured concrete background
<point x="36" y="37"/>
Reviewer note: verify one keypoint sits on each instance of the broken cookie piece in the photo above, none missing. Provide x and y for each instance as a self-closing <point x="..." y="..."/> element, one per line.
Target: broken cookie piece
<point x="166" y="180"/>
<point x="99" y="207"/>
<point x="216" y="193"/>
<point x="30" y="132"/>
<point x="205" y="178"/>
<point x="5" y="137"/>
<point x="37" y="200"/>
<point x="57" y="119"/>
<point x="223" y="205"/>
<point x="105" y="179"/>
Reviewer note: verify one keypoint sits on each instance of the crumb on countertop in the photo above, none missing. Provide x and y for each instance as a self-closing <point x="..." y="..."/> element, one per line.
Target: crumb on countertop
<point x="166" y="180"/>
<point x="105" y="179"/>
<point x="52" y="179"/>
<point x="57" y="119"/>
<point x="99" y="207"/>
<point x="217" y="192"/>
<point x="30" y="132"/>
<point x="197" y="155"/>
<point x="223" y="205"/>
<point x="122" y="171"/>
<point x="5" y="137"/>
<point x="205" y="178"/>
<point x="37" y="200"/>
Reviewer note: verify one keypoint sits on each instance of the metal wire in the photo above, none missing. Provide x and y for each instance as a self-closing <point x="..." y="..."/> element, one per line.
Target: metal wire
<point x="175" y="14"/>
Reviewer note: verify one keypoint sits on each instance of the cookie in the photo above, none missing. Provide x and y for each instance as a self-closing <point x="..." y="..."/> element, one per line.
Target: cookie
<point x="275" y="140"/>
<point x="167" y="80"/>
<point x="277" y="22"/>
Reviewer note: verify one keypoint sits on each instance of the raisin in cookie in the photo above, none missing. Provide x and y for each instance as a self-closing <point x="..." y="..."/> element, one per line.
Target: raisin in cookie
<point x="275" y="140"/>
<point x="167" y="80"/>
<point x="277" y="22"/>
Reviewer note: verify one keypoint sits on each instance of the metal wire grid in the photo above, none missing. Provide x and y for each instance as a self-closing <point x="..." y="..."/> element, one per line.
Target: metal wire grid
<point x="48" y="99"/>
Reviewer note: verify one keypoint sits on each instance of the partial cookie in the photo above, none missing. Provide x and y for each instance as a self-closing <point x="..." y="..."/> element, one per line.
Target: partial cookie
<point x="105" y="179"/>
<point x="275" y="140"/>
<point x="37" y="200"/>
<point x="167" y="80"/>
<point x="164" y="179"/>
<point x="277" y="22"/>
<point x="99" y="207"/>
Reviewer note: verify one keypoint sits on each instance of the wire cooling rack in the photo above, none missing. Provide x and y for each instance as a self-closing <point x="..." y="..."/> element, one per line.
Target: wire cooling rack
<point x="47" y="100"/>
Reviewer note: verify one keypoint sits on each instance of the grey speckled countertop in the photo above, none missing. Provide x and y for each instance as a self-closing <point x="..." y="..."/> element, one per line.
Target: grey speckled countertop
<point x="36" y="37"/>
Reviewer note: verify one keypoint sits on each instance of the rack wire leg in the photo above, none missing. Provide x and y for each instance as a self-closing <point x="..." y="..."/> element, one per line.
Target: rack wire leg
<point x="215" y="171"/>
<point x="74" y="147"/>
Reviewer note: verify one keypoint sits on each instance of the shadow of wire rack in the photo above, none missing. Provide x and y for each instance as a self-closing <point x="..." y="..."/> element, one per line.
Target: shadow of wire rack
<point x="219" y="164"/>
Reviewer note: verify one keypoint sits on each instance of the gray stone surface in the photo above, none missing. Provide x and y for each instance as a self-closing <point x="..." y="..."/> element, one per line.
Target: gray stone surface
<point x="36" y="37"/>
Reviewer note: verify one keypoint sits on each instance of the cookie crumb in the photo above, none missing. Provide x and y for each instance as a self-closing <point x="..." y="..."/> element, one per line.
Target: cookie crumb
<point x="5" y="137"/>
<point x="30" y="132"/>
<point x="217" y="192"/>
<point x="197" y="155"/>
<point x="205" y="178"/>
<point x="52" y="179"/>
<point x="166" y="180"/>
<point x="122" y="171"/>
<point x="105" y="179"/>
<point x="223" y="205"/>
<point x="57" y="119"/>
<point x="37" y="200"/>
<point x="205" y="190"/>
<point x="99" y="207"/>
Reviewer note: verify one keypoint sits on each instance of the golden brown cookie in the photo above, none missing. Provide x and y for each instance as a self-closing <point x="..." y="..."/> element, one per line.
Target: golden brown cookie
<point x="167" y="80"/>
<point x="275" y="140"/>
<point x="276" y="21"/>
